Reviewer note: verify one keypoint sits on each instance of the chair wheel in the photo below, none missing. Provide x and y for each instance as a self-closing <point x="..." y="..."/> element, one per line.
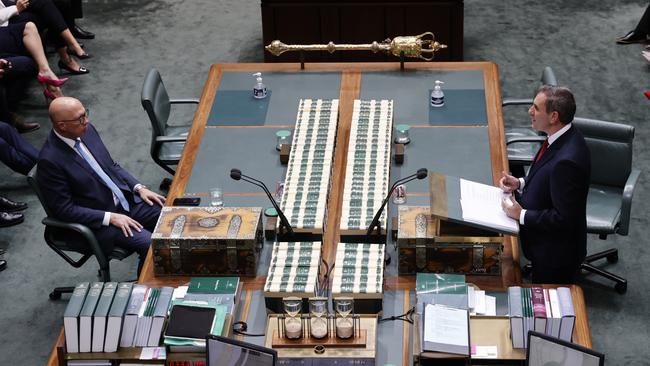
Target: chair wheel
<point x="621" y="288"/>
<point x="55" y="295"/>
<point x="612" y="258"/>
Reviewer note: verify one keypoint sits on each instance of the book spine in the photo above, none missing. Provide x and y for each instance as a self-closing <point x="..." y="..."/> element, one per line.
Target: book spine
<point x="539" y="307"/>
<point x="71" y="317"/>
<point x="515" y="312"/>
<point x="568" y="313"/>
<point x="557" y="313"/>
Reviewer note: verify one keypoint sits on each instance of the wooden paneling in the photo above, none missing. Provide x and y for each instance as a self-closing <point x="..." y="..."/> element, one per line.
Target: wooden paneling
<point x="312" y="22"/>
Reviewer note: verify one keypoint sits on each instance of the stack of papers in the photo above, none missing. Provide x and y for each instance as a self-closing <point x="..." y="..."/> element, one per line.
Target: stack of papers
<point x="481" y="204"/>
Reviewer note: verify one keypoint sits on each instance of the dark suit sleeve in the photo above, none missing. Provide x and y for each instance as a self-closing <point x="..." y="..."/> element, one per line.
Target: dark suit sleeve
<point x="567" y="185"/>
<point x="58" y="197"/>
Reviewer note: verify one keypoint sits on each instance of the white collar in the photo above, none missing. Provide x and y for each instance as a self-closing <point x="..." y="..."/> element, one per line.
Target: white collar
<point x="68" y="141"/>
<point x="560" y="132"/>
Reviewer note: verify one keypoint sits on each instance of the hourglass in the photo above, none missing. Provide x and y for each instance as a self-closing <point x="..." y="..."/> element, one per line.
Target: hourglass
<point x="318" y="323"/>
<point x="344" y="320"/>
<point x="292" y="320"/>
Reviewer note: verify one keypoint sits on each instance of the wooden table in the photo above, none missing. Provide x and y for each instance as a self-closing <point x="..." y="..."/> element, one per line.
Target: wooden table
<point x="351" y="76"/>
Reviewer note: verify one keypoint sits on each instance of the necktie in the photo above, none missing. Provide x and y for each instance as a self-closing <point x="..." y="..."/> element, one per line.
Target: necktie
<point x="542" y="150"/>
<point x="105" y="178"/>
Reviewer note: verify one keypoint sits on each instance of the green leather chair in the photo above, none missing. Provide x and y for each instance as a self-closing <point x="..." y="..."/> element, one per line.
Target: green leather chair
<point x="521" y="154"/>
<point x="611" y="189"/>
<point x="63" y="237"/>
<point x="167" y="141"/>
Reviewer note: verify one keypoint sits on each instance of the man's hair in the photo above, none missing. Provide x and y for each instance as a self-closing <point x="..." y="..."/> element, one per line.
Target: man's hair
<point x="559" y="99"/>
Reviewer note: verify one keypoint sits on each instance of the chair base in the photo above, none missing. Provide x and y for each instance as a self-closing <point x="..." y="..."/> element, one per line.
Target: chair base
<point x="57" y="292"/>
<point x="612" y="257"/>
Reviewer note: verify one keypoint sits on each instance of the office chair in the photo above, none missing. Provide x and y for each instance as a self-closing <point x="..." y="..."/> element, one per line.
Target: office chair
<point x="520" y="155"/>
<point x="65" y="237"/>
<point x="611" y="188"/>
<point x="167" y="141"/>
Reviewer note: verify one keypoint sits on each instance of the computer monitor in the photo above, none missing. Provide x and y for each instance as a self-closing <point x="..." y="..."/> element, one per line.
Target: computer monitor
<point x="229" y="352"/>
<point x="544" y="350"/>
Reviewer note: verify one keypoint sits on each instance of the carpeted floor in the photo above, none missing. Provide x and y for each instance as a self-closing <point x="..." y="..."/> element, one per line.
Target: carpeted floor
<point x="182" y="38"/>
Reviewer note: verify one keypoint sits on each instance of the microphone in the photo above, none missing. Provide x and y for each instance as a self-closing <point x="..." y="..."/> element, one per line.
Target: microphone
<point x="236" y="174"/>
<point x="420" y="174"/>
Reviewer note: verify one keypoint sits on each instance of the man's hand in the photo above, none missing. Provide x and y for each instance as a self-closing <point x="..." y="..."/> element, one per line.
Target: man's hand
<point x="21" y="5"/>
<point x="508" y="183"/>
<point x="511" y="207"/>
<point x="125" y="224"/>
<point x="150" y="197"/>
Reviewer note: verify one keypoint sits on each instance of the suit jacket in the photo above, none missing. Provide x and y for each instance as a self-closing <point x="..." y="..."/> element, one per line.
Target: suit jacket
<point x="72" y="190"/>
<point x="554" y="233"/>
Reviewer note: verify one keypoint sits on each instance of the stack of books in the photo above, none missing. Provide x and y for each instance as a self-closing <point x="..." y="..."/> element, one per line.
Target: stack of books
<point x="100" y="316"/>
<point x="548" y="311"/>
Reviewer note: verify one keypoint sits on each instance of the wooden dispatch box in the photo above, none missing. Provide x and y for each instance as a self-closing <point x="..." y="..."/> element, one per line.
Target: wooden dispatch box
<point x="428" y="244"/>
<point x="205" y="241"/>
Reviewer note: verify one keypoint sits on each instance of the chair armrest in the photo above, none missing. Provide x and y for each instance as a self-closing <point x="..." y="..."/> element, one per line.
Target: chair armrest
<point x="164" y="139"/>
<point x="87" y="234"/>
<point x="516" y="101"/>
<point x="184" y="101"/>
<point x="513" y="140"/>
<point x="626" y="206"/>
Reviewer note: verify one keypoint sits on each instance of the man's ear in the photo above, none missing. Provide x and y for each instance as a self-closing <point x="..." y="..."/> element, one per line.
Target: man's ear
<point x="555" y="118"/>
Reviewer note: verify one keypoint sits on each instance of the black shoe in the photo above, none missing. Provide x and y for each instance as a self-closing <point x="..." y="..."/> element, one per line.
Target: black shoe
<point x="82" y="70"/>
<point x="632" y="37"/>
<point x="83" y="56"/>
<point x="10" y="219"/>
<point x="23" y="126"/>
<point x="7" y="205"/>
<point x="78" y="32"/>
<point x="3" y="265"/>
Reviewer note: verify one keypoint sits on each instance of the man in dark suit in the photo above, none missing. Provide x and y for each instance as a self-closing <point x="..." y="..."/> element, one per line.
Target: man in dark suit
<point x="81" y="183"/>
<point x="553" y="196"/>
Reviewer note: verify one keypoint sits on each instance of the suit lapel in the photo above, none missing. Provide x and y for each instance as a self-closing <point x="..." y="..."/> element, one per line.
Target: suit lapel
<point x="549" y="153"/>
<point x="70" y="153"/>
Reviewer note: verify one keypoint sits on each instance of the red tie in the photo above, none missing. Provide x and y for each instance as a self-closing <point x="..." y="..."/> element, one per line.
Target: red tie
<point x="542" y="150"/>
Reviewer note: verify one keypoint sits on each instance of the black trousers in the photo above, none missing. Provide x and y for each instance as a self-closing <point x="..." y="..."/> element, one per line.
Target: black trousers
<point x="71" y="10"/>
<point x="45" y="15"/>
<point x="553" y="275"/>
<point x="644" y="24"/>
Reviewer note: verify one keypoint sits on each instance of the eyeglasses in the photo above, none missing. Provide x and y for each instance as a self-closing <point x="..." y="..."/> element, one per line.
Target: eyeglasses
<point x="81" y="120"/>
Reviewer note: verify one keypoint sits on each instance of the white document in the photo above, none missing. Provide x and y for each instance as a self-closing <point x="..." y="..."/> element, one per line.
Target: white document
<point x="446" y="329"/>
<point x="481" y="204"/>
<point x="490" y="305"/>
<point x="480" y="302"/>
<point x="484" y="352"/>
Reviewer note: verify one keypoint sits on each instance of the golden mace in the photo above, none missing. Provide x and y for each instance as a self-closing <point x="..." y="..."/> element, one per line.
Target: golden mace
<point x="421" y="46"/>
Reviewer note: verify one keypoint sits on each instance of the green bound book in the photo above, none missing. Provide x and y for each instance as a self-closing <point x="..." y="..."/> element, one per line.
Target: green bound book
<point x="71" y="317"/>
<point x="115" y="316"/>
<point x="86" y="316"/>
<point x="430" y="282"/>
<point x="213" y="285"/>
<point x="101" y="314"/>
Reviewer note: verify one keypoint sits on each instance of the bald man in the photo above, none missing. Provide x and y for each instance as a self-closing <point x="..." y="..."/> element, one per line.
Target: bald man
<point x="81" y="183"/>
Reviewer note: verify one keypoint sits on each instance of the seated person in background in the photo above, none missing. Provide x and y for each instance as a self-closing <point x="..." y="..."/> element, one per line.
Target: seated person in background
<point x="14" y="76"/>
<point x="641" y="33"/>
<point x="45" y="15"/>
<point x="553" y="196"/>
<point x="23" y="40"/>
<point x="81" y="183"/>
<point x="71" y="10"/>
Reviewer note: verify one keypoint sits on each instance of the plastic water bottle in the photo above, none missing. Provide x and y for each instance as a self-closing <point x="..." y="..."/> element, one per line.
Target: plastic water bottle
<point x="437" y="96"/>
<point x="259" y="89"/>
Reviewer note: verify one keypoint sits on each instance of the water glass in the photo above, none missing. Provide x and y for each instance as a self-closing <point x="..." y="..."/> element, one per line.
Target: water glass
<point x="216" y="197"/>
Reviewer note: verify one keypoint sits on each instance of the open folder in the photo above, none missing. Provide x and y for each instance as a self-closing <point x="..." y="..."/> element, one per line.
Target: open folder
<point x="470" y="203"/>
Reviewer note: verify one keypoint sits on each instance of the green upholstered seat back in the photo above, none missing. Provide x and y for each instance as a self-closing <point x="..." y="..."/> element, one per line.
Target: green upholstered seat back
<point x="611" y="150"/>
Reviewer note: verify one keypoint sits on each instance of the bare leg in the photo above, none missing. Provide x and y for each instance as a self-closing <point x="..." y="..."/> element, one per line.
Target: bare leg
<point x="72" y="42"/>
<point x="34" y="45"/>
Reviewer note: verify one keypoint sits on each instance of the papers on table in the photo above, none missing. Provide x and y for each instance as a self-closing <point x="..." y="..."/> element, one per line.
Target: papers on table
<point x="446" y="329"/>
<point x="481" y="204"/>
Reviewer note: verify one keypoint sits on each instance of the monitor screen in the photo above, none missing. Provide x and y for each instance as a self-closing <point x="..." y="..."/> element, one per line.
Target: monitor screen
<point x="229" y="352"/>
<point x="544" y="350"/>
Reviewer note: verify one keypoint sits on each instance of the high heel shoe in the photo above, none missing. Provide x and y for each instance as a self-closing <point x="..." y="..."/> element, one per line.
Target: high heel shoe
<point x="46" y="80"/>
<point x="48" y="94"/>
<point x="82" y="70"/>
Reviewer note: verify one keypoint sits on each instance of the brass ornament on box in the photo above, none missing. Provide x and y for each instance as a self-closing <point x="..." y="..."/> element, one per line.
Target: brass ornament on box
<point x="422" y="46"/>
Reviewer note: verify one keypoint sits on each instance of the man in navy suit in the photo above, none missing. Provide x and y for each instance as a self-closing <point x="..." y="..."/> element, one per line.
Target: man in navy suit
<point x="81" y="183"/>
<point x="553" y="196"/>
